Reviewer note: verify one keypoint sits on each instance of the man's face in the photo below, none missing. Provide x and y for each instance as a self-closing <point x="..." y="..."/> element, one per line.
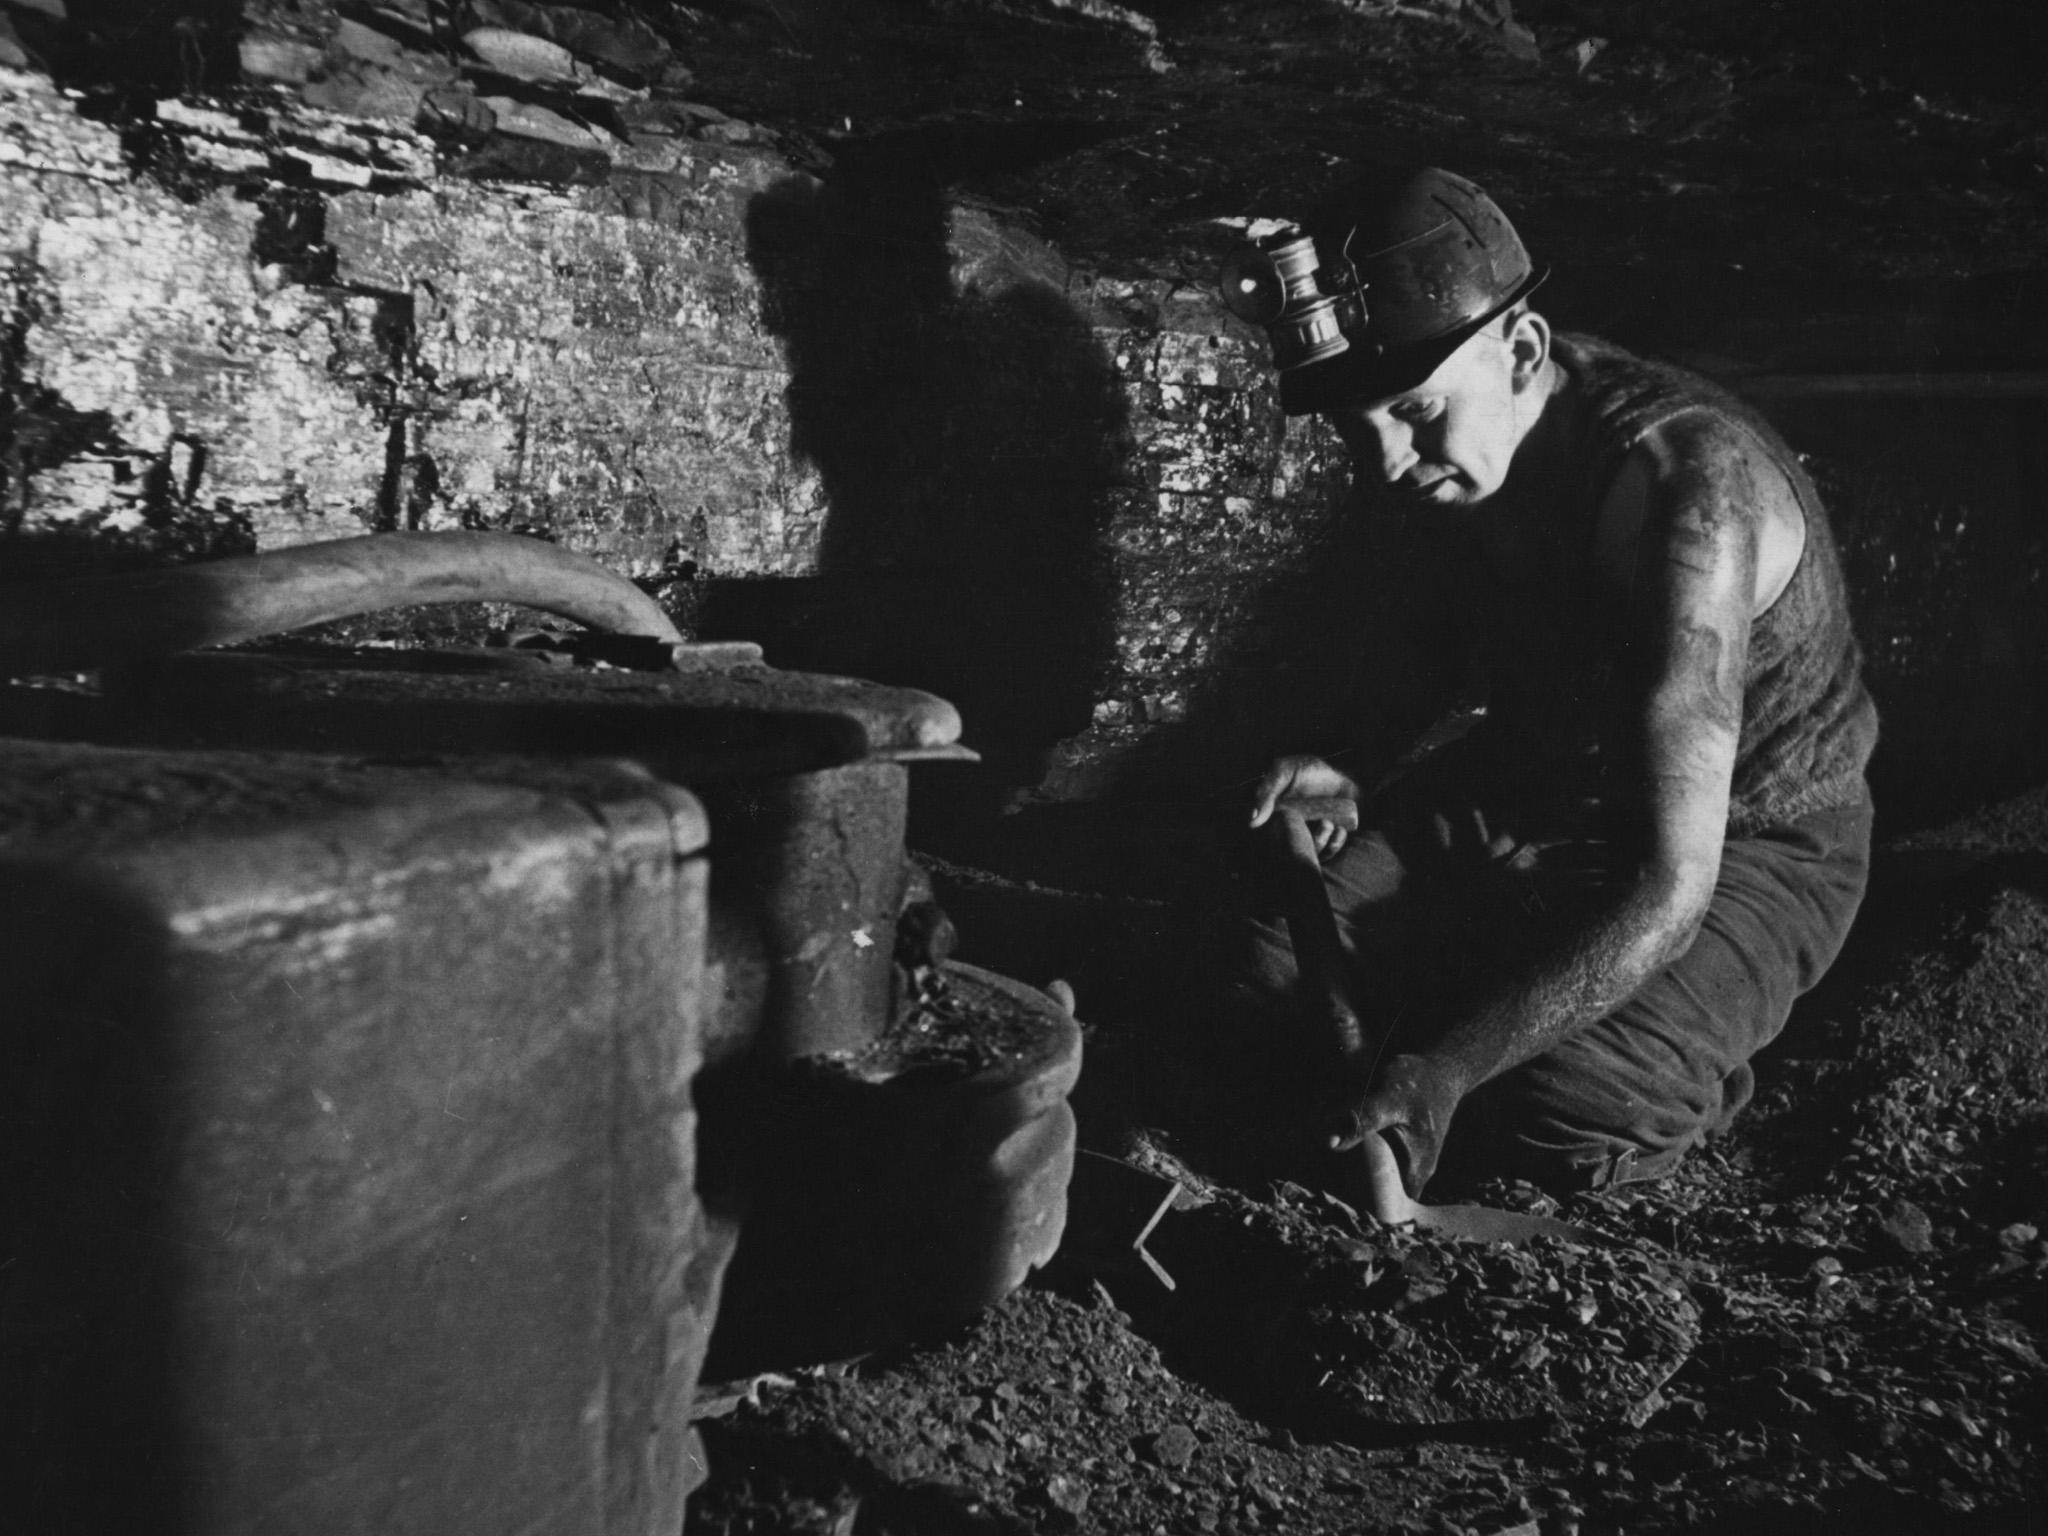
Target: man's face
<point x="1447" y="442"/>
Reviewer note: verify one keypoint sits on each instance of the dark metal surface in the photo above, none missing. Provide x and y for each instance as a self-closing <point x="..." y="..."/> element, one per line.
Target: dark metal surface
<point x="350" y="1175"/>
<point x="867" y="1212"/>
<point x="802" y="774"/>
<point x="884" y="1209"/>
<point x="689" y="724"/>
<point x="815" y="862"/>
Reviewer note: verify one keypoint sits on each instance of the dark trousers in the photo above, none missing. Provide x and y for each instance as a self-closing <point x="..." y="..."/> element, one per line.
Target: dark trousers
<point x="1437" y="905"/>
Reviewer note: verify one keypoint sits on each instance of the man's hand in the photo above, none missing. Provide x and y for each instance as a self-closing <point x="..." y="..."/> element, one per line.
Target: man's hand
<point x="1410" y="1101"/>
<point x="1305" y="778"/>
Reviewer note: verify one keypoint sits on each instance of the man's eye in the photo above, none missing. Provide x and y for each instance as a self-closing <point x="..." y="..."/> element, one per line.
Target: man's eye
<point x="1421" y="410"/>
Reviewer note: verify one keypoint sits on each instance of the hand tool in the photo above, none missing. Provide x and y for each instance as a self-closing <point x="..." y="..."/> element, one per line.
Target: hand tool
<point x="1370" y="1174"/>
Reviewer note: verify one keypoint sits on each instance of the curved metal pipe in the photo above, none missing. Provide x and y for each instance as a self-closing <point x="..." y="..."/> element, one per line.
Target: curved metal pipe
<point x="90" y="622"/>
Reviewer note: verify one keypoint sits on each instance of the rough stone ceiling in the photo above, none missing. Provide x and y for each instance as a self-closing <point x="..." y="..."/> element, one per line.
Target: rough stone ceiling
<point x="1880" y="142"/>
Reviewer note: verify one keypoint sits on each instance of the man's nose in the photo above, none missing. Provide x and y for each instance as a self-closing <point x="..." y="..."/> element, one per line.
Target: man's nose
<point x="1397" y="449"/>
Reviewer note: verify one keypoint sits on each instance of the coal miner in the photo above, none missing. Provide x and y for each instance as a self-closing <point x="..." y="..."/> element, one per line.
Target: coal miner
<point x="1567" y="931"/>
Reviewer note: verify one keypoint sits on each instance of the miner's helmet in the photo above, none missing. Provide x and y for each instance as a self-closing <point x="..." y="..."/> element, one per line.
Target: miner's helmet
<point x="1375" y="293"/>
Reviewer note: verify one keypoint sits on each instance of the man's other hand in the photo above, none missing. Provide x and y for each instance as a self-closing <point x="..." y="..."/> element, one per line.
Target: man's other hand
<point x="1305" y="778"/>
<point x="1410" y="1102"/>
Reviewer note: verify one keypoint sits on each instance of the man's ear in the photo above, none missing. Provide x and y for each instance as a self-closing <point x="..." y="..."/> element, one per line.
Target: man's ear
<point x="1528" y="348"/>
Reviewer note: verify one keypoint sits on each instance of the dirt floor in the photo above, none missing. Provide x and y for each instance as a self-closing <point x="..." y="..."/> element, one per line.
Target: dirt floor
<point x="1837" y="1312"/>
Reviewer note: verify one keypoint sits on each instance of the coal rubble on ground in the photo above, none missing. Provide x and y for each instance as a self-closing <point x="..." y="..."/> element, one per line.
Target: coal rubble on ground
<point x="1835" y="1314"/>
<point x="1358" y="1326"/>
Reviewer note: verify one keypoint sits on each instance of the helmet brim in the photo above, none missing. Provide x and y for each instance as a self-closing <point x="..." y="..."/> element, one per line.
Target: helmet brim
<point x="1362" y="374"/>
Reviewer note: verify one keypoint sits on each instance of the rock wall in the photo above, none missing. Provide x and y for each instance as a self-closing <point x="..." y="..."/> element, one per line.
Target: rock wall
<point x="1056" y="496"/>
<point x="306" y="333"/>
<point x="328" y="277"/>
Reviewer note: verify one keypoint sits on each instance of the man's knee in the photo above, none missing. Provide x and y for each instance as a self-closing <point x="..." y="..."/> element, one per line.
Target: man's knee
<point x="1575" y="1121"/>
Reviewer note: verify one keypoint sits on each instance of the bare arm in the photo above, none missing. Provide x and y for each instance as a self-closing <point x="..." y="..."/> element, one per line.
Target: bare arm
<point x="1692" y="589"/>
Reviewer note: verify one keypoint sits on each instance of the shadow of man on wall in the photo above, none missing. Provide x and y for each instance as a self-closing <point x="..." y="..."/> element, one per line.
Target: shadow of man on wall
<point x="968" y="435"/>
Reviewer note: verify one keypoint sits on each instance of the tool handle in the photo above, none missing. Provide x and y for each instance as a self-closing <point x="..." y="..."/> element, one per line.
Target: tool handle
<point x="1341" y="809"/>
<point x="1373" y="1173"/>
<point x="1312" y="926"/>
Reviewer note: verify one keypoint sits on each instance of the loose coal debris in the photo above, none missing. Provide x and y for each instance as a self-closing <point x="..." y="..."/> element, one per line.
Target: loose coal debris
<point x="1355" y="1328"/>
<point x="1050" y="1415"/>
<point x="1834" y="1314"/>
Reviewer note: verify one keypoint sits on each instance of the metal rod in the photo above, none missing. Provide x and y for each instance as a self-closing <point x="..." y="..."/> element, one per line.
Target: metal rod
<point x="89" y="622"/>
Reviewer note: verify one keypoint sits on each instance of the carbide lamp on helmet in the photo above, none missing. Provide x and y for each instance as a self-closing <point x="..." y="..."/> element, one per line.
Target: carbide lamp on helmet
<point x="1274" y="285"/>
<point x="1409" y="270"/>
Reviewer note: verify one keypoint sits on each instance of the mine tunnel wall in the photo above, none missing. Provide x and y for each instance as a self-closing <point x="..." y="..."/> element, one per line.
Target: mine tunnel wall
<point x="883" y="430"/>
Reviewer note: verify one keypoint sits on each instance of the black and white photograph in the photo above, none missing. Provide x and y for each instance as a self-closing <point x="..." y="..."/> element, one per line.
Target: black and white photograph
<point x="1023" y="767"/>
